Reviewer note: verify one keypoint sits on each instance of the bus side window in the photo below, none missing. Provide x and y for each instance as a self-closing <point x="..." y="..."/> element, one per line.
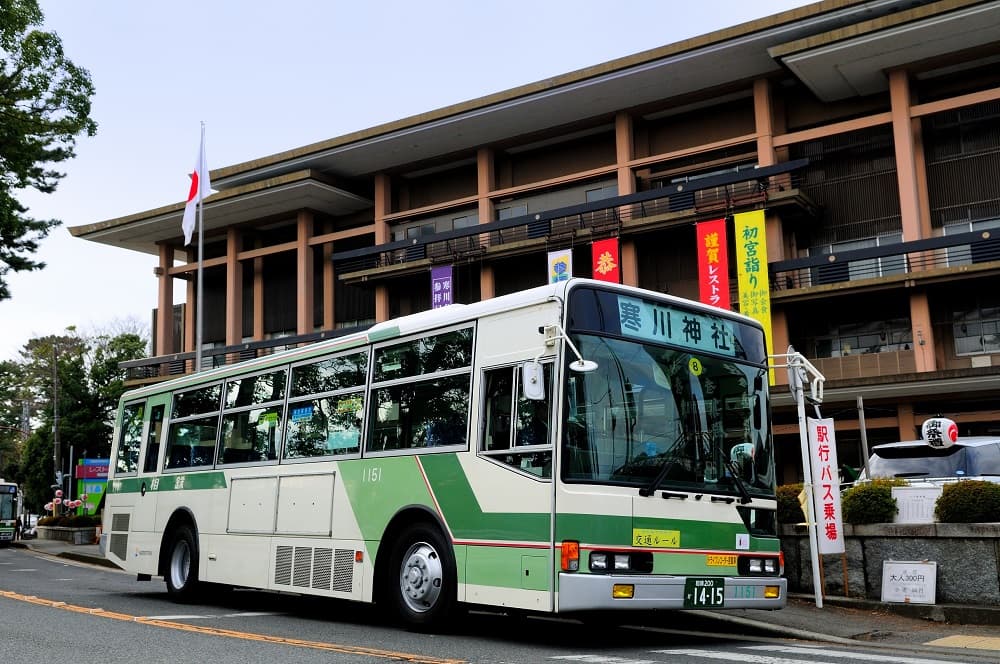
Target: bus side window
<point x="129" y="439"/>
<point x="516" y="429"/>
<point x="153" y="439"/>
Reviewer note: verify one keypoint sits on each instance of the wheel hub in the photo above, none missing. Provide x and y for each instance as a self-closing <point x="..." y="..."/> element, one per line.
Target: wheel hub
<point x="421" y="577"/>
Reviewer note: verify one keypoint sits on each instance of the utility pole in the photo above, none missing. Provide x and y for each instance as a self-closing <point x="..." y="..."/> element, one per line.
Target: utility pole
<point x="56" y="456"/>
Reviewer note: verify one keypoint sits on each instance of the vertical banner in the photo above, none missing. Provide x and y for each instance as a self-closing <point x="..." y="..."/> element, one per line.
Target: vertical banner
<point x="713" y="263"/>
<point x="605" y="260"/>
<point x="826" y="485"/>
<point x="441" y="286"/>
<point x="751" y="272"/>
<point x="560" y="265"/>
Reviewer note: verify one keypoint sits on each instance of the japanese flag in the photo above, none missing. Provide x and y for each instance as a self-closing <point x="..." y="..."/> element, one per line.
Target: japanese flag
<point x="201" y="188"/>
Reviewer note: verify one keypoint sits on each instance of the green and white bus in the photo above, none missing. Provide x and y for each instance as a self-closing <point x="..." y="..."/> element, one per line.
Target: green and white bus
<point x="9" y="509"/>
<point x="574" y="447"/>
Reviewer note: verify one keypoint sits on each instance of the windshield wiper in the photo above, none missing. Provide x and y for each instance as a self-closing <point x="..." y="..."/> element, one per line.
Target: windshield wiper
<point x="650" y="489"/>
<point x="740" y="484"/>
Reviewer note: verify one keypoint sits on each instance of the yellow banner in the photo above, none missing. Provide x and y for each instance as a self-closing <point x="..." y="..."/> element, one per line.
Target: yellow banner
<point x="751" y="271"/>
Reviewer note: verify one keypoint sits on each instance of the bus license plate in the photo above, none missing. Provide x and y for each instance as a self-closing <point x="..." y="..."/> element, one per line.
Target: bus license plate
<point x="704" y="593"/>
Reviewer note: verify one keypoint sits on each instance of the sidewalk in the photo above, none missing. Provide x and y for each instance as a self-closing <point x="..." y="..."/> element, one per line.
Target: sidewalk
<point x="944" y="629"/>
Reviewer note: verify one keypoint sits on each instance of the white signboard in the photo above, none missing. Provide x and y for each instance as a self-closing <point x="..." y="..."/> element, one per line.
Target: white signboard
<point x="826" y="485"/>
<point x="915" y="503"/>
<point x="910" y="582"/>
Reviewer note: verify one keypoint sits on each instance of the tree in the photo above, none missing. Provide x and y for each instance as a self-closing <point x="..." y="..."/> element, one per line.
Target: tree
<point x="13" y="427"/>
<point x="107" y="380"/>
<point x="44" y="107"/>
<point x="37" y="468"/>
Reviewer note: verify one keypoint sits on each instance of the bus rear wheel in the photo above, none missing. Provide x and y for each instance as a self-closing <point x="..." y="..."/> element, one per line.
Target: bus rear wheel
<point x="182" y="565"/>
<point x="423" y="588"/>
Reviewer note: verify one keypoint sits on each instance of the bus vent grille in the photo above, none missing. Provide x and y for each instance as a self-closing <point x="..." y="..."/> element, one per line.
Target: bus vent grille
<point x="322" y="569"/>
<point x="119" y="544"/>
<point x="283" y="566"/>
<point x="322" y="565"/>
<point x="343" y="571"/>
<point x="303" y="562"/>
<point x="119" y="522"/>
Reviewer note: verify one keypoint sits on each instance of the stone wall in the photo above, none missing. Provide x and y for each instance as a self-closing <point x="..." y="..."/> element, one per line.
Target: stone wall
<point x="74" y="535"/>
<point x="967" y="557"/>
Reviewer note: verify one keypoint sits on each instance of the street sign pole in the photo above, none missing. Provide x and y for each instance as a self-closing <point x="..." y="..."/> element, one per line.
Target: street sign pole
<point x="800" y="369"/>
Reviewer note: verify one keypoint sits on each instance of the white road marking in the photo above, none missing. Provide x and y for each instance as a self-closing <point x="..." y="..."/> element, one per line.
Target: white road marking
<point x="868" y="657"/>
<point x="604" y="659"/>
<point x="738" y="657"/>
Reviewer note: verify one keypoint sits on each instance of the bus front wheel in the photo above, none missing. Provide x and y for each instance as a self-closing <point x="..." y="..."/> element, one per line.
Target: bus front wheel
<point x="423" y="590"/>
<point x="182" y="565"/>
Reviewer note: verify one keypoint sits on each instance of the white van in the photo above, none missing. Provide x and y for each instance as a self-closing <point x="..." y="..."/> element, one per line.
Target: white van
<point x="947" y="460"/>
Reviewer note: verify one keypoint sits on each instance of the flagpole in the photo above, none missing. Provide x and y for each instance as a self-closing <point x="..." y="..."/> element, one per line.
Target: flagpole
<point x="201" y="244"/>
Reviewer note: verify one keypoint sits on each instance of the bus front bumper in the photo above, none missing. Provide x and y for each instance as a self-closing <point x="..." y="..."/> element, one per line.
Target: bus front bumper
<point x="588" y="592"/>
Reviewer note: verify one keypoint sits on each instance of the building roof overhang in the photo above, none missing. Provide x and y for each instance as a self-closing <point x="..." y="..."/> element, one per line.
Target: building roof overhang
<point x="273" y="197"/>
<point x="853" y="61"/>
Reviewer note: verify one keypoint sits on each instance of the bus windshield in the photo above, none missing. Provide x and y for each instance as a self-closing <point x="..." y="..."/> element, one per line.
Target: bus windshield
<point x="660" y="417"/>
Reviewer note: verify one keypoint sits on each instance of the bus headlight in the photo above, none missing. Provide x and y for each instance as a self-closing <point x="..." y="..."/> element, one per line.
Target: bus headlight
<point x="598" y="560"/>
<point x="622" y="562"/>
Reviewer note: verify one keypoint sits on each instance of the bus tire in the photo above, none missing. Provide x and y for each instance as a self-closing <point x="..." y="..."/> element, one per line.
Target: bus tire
<point x="422" y="585"/>
<point x="182" y="565"/>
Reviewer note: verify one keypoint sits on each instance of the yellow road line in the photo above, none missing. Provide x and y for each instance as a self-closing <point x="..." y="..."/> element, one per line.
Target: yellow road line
<point x="228" y="633"/>
<point x="962" y="641"/>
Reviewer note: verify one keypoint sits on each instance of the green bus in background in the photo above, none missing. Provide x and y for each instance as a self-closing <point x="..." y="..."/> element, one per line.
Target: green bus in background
<point x="9" y="502"/>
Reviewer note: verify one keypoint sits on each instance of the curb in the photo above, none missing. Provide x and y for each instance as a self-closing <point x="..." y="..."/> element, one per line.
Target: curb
<point x="962" y="614"/>
<point x="70" y="555"/>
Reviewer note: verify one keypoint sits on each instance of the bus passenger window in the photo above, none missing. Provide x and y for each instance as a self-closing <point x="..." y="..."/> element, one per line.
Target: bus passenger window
<point x="193" y="427"/>
<point x="153" y="439"/>
<point x="128" y="442"/>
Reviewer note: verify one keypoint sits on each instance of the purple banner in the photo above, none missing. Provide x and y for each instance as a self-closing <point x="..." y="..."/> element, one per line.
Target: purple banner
<point x="441" y="286"/>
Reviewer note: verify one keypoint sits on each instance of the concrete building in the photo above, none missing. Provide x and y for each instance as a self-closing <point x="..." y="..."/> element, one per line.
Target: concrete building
<point x="868" y="132"/>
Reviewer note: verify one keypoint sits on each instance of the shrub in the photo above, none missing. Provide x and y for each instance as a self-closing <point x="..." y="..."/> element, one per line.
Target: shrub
<point x="871" y="502"/>
<point x="789" y="510"/>
<point x="968" y="501"/>
<point x="70" y="521"/>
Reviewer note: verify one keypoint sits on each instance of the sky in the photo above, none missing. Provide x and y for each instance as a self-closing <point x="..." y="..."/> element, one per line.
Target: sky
<point x="267" y="77"/>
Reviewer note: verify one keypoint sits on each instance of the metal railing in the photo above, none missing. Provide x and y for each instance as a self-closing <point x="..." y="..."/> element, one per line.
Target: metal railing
<point x="903" y="258"/>
<point x="179" y="364"/>
<point x="560" y="225"/>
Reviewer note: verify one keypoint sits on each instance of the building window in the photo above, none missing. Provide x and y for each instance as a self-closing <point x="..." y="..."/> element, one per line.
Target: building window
<point x="511" y="211"/>
<point x="981" y="252"/>
<point x="860" y="338"/>
<point x="868" y="268"/>
<point x="977" y="329"/>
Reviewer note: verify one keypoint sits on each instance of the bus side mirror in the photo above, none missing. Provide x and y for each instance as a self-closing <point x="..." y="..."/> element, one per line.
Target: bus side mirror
<point x="532" y="381"/>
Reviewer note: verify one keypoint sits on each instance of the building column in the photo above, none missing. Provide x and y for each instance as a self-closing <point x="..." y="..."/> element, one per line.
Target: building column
<point x="486" y="180"/>
<point x="329" y="290"/>
<point x="258" y="297"/>
<point x="383" y="204"/>
<point x="304" y="294"/>
<point x="773" y="229"/>
<point x="904" y="131"/>
<point x="234" y="288"/>
<point x="191" y="308"/>
<point x="923" y="333"/>
<point x="164" y="343"/>
<point x="907" y="422"/>
<point x="624" y="153"/>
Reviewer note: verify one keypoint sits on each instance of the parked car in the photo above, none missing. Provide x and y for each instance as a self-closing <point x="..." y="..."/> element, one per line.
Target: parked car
<point x="971" y="457"/>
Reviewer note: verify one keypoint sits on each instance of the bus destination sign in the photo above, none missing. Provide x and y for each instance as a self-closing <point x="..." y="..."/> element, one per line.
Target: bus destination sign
<point x="662" y="323"/>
